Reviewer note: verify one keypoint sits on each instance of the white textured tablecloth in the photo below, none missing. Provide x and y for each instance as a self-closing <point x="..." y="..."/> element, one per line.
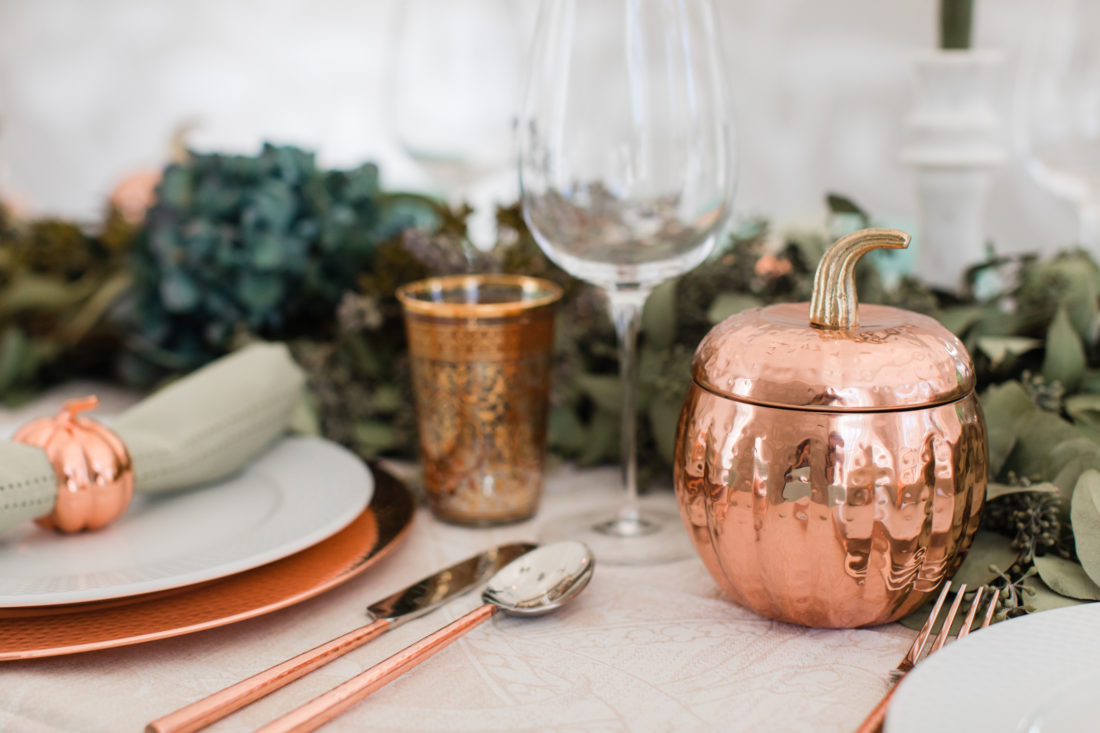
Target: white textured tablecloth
<point x="647" y="649"/>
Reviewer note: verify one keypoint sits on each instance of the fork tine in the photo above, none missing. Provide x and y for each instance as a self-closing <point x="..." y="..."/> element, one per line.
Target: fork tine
<point x="873" y="722"/>
<point x="992" y="607"/>
<point x="969" y="620"/>
<point x="948" y="620"/>
<point x="917" y="648"/>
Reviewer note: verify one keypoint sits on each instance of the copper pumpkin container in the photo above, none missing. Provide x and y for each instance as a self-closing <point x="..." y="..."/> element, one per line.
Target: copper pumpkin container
<point x="831" y="458"/>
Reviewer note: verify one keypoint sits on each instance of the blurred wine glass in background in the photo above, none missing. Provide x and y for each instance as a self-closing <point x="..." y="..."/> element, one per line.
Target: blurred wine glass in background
<point x="1061" y="115"/>
<point x="452" y="96"/>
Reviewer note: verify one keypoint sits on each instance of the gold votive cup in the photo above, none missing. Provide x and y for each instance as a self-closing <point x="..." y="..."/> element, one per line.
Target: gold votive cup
<point x="481" y="349"/>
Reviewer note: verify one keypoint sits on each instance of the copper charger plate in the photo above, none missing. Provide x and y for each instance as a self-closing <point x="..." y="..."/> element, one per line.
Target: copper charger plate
<point x="28" y="633"/>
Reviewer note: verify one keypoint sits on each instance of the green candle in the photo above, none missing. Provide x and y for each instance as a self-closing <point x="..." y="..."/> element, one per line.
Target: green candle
<point x="956" y="18"/>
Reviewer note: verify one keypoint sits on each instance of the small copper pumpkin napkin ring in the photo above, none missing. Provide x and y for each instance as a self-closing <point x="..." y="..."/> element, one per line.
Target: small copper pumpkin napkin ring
<point x="95" y="475"/>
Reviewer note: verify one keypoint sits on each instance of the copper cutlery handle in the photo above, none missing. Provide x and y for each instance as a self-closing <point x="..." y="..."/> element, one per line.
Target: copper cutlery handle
<point x="202" y="713"/>
<point x="324" y="708"/>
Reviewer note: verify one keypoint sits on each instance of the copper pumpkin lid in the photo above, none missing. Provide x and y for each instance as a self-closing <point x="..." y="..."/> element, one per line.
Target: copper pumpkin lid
<point x="833" y="354"/>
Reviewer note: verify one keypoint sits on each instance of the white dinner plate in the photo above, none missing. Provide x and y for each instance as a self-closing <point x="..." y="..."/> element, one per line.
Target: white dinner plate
<point x="298" y="493"/>
<point x="1072" y="709"/>
<point x="1000" y="678"/>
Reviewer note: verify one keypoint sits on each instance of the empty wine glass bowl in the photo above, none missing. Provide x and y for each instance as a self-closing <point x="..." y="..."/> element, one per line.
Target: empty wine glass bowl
<point x="626" y="178"/>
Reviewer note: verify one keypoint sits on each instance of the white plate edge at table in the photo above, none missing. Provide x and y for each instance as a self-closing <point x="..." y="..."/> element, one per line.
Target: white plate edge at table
<point x="994" y="679"/>
<point x="307" y="471"/>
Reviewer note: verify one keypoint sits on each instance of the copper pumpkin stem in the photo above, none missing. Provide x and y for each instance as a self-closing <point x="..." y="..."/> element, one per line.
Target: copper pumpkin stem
<point x="834" y="305"/>
<point x="71" y="408"/>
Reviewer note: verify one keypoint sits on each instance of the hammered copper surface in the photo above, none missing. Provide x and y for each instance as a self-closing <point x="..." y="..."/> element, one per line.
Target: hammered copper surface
<point x="830" y="519"/>
<point x="832" y="353"/>
<point x="831" y="457"/>
<point x="95" y="474"/>
<point x="893" y="359"/>
<point x="481" y="380"/>
<point x="90" y="626"/>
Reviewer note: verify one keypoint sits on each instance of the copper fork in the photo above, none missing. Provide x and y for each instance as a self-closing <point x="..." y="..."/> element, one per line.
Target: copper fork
<point x="874" y="720"/>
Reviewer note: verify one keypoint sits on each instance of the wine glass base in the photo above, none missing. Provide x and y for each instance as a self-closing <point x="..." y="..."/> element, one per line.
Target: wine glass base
<point x="655" y="536"/>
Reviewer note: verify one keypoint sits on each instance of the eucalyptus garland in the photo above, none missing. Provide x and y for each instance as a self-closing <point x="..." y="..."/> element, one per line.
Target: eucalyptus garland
<point x="272" y="246"/>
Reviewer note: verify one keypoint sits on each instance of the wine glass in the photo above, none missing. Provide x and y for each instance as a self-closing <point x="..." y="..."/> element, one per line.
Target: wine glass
<point x="453" y="94"/>
<point x="626" y="177"/>
<point x="1062" y="117"/>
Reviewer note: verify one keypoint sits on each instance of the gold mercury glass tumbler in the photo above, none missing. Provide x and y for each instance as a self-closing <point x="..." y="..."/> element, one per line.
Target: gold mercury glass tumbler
<point x="481" y="349"/>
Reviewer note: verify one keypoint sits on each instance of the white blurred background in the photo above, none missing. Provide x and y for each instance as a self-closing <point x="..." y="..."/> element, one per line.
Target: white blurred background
<point x="92" y="91"/>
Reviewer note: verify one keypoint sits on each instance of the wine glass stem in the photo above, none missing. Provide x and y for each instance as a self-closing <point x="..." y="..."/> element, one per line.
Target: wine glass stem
<point x="626" y="314"/>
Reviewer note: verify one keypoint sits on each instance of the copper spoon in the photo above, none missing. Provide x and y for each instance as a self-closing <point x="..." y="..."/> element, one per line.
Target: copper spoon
<point x="539" y="582"/>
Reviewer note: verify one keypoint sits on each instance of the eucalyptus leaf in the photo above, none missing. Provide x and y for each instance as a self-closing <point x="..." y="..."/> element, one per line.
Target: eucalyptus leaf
<point x="1090" y="383"/>
<point x="1004" y="405"/>
<point x="30" y="291"/>
<point x="728" y="304"/>
<point x="1043" y="598"/>
<point x="14" y="351"/>
<point x="1070" y="473"/>
<point x="387" y="398"/>
<point x="1069" y="460"/>
<point x="989" y="549"/>
<point x="1001" y="348"/>
<point x="1066" y="578"/>
<point x="994" y="490"/>
<point x="1065" y="355"/>
<point x="1080" y="300"/>
<point x="1090" y="428"/>
<point x="843" y="205"/>
<point x="996" y="322"/>
<point x="659" y="316"/>
<point x="603" y="389"/>
<point x="664" y="414"/>
<point x="1037" y="434"/>
<point x="959" y="319"/>
<point x="603" y="438"/>
<point x="565" y="430"/>
<point x="1083" y="406"/>
<point x="95" y="308"/>
<point x="371" y="438"/>
<point x="1085" y="411"/>
<point x="1085" y="516"/>
<point x="366" y="361"/>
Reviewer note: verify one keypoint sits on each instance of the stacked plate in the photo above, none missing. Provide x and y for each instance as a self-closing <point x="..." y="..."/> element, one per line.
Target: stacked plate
<point x="304" y="517"/>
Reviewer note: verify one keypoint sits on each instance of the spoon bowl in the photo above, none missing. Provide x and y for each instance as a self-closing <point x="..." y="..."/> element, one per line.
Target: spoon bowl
<point x="541" y="581"/>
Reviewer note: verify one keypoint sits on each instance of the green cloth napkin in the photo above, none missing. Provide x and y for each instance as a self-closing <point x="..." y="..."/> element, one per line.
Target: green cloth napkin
<point x="199" y="429"/>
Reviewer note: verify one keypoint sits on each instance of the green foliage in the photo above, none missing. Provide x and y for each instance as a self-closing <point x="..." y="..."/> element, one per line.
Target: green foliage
<point x="58" y="284"/>
<point x="265" y="245"/>
<point x="956" y="18"/>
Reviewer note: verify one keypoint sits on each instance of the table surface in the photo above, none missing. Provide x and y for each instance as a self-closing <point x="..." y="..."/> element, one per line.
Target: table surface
<point x="643" y="648"/>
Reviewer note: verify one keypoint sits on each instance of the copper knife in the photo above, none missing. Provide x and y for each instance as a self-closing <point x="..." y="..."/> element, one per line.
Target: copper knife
<point x="385" y="614"/>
